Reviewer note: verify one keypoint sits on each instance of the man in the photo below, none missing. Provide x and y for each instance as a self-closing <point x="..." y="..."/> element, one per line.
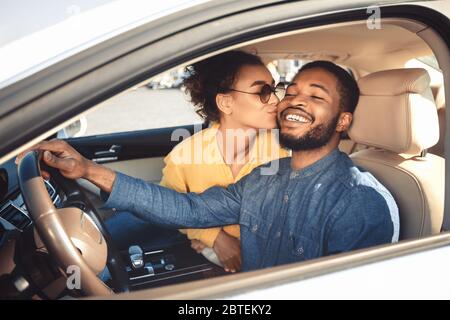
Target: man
<point x="317" y="204"/>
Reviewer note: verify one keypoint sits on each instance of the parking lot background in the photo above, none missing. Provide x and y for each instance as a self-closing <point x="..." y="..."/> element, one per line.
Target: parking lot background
<point x="142" y="109"/>
<point x="160" y="104"/>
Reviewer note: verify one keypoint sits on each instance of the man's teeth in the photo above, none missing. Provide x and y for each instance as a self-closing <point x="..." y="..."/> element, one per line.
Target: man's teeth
<point x="296" y="118"/>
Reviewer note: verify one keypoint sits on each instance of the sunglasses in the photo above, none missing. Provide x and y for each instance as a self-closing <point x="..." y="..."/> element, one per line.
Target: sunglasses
<point x="266" y="92"/>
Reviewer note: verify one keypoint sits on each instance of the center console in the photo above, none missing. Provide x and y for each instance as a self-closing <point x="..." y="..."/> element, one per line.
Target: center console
<point x="177" y="264"/>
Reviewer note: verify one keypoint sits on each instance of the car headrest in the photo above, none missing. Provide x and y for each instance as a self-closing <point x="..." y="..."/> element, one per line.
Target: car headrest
<point x="396" y="112"/>
<point x="440" y="98"/>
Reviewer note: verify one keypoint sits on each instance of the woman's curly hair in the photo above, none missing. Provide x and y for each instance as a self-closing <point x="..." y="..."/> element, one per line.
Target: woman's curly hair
<point x="215" y="75"/>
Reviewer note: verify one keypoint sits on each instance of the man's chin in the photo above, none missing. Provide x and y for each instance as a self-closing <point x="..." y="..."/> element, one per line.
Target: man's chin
<point x="289" y="141"/>
<point x="306" y="137"/>
<point x="294" y="133"/>
<point x="303" y="142"/>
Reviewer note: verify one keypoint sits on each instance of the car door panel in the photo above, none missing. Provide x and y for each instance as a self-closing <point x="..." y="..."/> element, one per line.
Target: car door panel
<point x="148" y="169"/>
<point x="118" y="147"/>
<point x="138" y="154"/>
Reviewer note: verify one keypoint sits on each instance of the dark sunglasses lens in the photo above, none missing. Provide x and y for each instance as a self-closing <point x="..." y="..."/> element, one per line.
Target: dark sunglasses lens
<point x="266" y="91"/>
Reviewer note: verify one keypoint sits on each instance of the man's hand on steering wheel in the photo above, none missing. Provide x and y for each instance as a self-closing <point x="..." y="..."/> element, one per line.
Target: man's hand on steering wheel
<point x="60" y="155"/>
<point x="72" y="165"/>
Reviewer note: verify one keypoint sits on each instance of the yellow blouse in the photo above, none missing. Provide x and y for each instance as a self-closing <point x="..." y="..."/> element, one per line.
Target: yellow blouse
<point x="197" y="164"/>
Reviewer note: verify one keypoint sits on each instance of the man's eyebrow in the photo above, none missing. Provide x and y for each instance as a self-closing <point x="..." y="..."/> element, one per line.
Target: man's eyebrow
<point x="260" y="82"/>
<point x="291" y="84"/>
<point x="320" y="87"/>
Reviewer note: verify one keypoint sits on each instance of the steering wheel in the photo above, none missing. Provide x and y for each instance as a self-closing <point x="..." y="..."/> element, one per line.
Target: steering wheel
<point x="70" y="235"/>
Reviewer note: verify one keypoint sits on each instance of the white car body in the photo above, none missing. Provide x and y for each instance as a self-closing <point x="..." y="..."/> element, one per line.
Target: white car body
<point x="75" y="30"/>
<point x="420" y="276"/>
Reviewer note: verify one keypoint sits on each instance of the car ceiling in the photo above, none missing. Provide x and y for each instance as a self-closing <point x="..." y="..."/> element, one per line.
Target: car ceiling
<point x="353" y="45"/>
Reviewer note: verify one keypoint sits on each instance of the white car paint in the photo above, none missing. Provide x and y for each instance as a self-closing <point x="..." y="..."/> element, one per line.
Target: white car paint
<point x="422" y="275"/>
<point x="77" y="32"/>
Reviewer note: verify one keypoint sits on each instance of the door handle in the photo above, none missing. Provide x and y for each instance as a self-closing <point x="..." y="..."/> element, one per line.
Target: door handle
<point x="108" y="155"/>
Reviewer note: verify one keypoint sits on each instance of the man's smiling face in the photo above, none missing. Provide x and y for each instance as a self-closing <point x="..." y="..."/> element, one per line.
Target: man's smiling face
<point x="310" y="111"/>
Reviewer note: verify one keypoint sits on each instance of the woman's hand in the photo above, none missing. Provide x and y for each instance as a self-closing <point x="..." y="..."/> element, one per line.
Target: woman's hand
<point x="228" y="250"/>
<point x="197" y="245"/>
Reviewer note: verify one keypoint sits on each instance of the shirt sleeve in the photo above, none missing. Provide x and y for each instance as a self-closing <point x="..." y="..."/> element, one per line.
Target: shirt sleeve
<point x="362" y="219"/>
<point x="215" y="207"/>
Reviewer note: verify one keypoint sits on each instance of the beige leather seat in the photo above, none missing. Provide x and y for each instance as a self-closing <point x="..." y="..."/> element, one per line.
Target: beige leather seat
<point x="396" y="117"/>
<point x="438" y="149"/>
<point x="349" y="146"/>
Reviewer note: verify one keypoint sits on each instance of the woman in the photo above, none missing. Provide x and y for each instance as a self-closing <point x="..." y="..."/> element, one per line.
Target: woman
<point x="235" y="92"/>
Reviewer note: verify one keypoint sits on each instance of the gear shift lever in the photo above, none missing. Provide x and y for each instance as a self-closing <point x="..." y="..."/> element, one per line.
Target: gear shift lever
<point x="136" y="256"/>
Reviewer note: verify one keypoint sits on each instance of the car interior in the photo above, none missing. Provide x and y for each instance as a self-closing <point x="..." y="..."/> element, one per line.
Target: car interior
<point x="397" y="134"/>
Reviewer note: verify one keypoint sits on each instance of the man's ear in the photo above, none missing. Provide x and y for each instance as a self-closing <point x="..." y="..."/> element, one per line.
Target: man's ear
<point x="345" y="120"/>
<point x="224" y="103"/>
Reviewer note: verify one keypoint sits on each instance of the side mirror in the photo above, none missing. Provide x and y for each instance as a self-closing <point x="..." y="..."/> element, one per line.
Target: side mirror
<point x="73" y="130"/>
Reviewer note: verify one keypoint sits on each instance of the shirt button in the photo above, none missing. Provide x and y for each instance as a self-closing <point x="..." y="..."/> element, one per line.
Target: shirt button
<point x="293" y="175"/>
<point x="255" y="228"/>
<point x="300" y="250"/>
<point x="278" y="234"/>
<point x="286" y="198"/>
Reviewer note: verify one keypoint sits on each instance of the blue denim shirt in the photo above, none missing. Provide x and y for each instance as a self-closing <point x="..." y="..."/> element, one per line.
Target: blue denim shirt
<point x="328" y="207"/>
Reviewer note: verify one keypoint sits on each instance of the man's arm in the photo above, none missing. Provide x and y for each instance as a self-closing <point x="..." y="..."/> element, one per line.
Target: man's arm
<point x="151" y="202"/>
<point x="216" y="206"/>
<point x="362" y="219"/>
<point x="174" y="178"/>
<point x="101" y="176"/>
<point x="71" y="164"/>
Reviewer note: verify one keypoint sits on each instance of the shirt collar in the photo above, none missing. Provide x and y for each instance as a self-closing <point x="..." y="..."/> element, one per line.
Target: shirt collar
<point x="321" y="164"/>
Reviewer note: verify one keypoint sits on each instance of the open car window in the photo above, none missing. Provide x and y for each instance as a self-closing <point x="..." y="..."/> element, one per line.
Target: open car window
<point x="160" y="103"/>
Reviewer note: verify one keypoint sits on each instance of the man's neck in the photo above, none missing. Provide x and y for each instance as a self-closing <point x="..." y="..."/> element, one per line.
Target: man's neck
<point x="304" y="158"/>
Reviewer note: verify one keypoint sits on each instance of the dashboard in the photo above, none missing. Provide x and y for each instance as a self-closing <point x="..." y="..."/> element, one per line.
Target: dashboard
<point x="20" y="262"/>
<point x="13" y="212"/>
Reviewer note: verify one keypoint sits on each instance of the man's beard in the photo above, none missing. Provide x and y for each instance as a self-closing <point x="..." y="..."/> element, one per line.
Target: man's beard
<point x="315" y="138"/>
